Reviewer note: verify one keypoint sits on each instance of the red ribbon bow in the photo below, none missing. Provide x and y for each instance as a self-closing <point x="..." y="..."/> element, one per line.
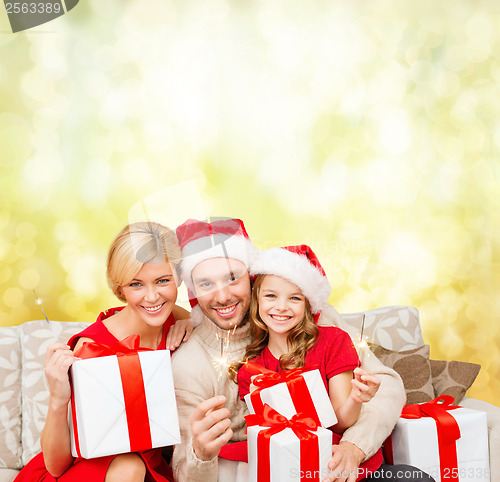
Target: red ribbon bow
<point x="301" y="426"/>
<point x="295" y="382"/>
<point x="134" y="393"/>
<point x="438" y="410"/>
<point x="128" y="345"/>
<point x="448" y="432"/>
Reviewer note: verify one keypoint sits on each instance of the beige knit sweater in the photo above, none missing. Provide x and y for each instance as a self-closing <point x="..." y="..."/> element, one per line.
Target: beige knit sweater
<point x="196" y="378"/>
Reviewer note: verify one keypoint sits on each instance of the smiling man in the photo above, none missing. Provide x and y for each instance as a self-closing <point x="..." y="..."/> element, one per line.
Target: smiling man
<point x="215" y="264"/>
<point x="216" y="257"/>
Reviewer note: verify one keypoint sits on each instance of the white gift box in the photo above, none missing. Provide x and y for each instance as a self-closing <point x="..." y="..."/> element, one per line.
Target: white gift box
<point x="279" y="398"/>
<point x="415" y="442"/>
<point x="284" y="454"/>
<point x="99" y="404"/>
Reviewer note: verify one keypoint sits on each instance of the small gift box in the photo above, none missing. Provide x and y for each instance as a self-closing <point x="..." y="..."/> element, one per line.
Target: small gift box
<point x="449" y="443"/>
<point x="294" y="391"/>
<point x="121" y="402"/>
<point x="282" y="450"/>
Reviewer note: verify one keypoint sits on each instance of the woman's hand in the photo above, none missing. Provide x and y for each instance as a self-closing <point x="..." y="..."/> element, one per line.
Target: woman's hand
<point x="364" y="385"/>
<point x="55" y="439"/>
<point x="179" y="332"/>
<point x="58" y="360"/>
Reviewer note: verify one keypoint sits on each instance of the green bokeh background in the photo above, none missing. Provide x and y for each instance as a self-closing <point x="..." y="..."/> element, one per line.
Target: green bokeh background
<point x="369" y="130"/>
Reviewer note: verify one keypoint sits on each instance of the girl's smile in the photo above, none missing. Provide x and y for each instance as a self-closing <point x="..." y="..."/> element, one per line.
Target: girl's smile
<point x="279" y="318"/>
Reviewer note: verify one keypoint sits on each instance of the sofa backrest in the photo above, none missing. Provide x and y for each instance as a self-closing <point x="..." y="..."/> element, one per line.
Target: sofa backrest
<point x="394" y="328"/>
<point x="10" y="398"/>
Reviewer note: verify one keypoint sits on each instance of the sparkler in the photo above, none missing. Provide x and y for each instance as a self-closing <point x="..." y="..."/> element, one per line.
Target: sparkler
<point x="221" y="362"/>
<point x="362" y="344"/>
<point x="38" y="301"/>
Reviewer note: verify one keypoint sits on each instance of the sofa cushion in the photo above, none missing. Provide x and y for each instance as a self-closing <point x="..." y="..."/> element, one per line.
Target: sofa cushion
<point x="10" y="398"/>
<point x="394" y="328"/>
<point x="35" y="337"/>
<point x="453" y="377"/>
<point x="414" y="369"/>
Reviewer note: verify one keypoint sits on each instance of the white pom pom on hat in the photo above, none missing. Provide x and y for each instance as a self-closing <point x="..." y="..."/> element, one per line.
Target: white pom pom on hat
<point x="300" y="266"/>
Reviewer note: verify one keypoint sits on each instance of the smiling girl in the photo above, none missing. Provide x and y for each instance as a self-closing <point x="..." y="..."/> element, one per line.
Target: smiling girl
<point x="289" y="291"/>
<point x="141" y="271"/>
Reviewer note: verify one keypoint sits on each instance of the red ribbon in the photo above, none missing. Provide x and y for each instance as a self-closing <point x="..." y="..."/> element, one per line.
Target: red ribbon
<point x="129" y="345"/>
<point x="301" y="426"/>
<point x="134" y="393"/>
<point x="295" y="382"/>
<point x="448" y="432"/>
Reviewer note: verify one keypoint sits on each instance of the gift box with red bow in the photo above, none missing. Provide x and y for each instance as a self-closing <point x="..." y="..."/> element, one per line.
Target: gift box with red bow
<point x="294" y="391"/>
<point x="282" y="450"/>
<point x="122" y="400"/>
<point x="449" y="443"/>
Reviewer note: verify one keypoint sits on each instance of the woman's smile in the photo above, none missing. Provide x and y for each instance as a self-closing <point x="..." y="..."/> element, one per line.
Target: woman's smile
<point x="154" y="309"/>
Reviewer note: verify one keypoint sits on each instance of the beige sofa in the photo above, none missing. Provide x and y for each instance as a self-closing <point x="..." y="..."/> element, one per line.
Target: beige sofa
<point x="24" y="395"/>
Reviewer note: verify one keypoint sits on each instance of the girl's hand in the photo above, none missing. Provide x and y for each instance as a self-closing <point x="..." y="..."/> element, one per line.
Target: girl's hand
<point x="364" y="385"/>
<point x="58" y="360"/>
<point x="179" y="332"/>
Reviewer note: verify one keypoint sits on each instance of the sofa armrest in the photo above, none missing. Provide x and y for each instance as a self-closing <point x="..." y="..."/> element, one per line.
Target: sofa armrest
<point x="493" y="416"/>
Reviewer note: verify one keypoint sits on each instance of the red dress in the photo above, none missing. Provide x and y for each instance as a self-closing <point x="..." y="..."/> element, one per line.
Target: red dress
<point x="334" y="353"/>
<point x="85" y="470"/>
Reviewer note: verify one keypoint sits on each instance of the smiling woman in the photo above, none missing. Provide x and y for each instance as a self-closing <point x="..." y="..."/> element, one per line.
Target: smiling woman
<point x="142" y="264"/>
<point x="142" y="271"/>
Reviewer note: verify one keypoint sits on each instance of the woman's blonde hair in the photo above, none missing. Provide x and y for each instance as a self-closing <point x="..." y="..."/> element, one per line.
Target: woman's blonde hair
<point x="300" y="339"/>
<point x="138" y="244"/>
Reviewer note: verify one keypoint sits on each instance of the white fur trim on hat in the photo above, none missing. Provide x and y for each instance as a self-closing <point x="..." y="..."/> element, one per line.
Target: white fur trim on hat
<point x="234" y="247"/>
<point x="196" y="315"/>
<point x="297" y="269"/>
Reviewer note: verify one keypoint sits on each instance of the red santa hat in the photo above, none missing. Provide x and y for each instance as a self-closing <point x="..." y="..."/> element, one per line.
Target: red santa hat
<point x="219" y="238"/>
<point x="300" y="266"/>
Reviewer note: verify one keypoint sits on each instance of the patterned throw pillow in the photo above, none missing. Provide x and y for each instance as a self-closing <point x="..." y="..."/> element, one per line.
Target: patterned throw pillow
<point x="36" y="336"/>
<point x="413" y="367"/>
<point x="453" y="377"/>
<point x="394" y="327"/>
<point x="10" y="398"/>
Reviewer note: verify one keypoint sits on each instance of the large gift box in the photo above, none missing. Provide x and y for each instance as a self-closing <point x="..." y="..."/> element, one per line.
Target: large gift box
<point x="282" y="450"/>
<point x="294" y="391"/>
<point x="449" y="443"/>
<point x="123" y="402"/>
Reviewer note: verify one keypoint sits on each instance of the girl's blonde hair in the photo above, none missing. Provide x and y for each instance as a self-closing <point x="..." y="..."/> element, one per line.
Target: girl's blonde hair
<point x="300" y="339"/>
<point x="138" y="244"/>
